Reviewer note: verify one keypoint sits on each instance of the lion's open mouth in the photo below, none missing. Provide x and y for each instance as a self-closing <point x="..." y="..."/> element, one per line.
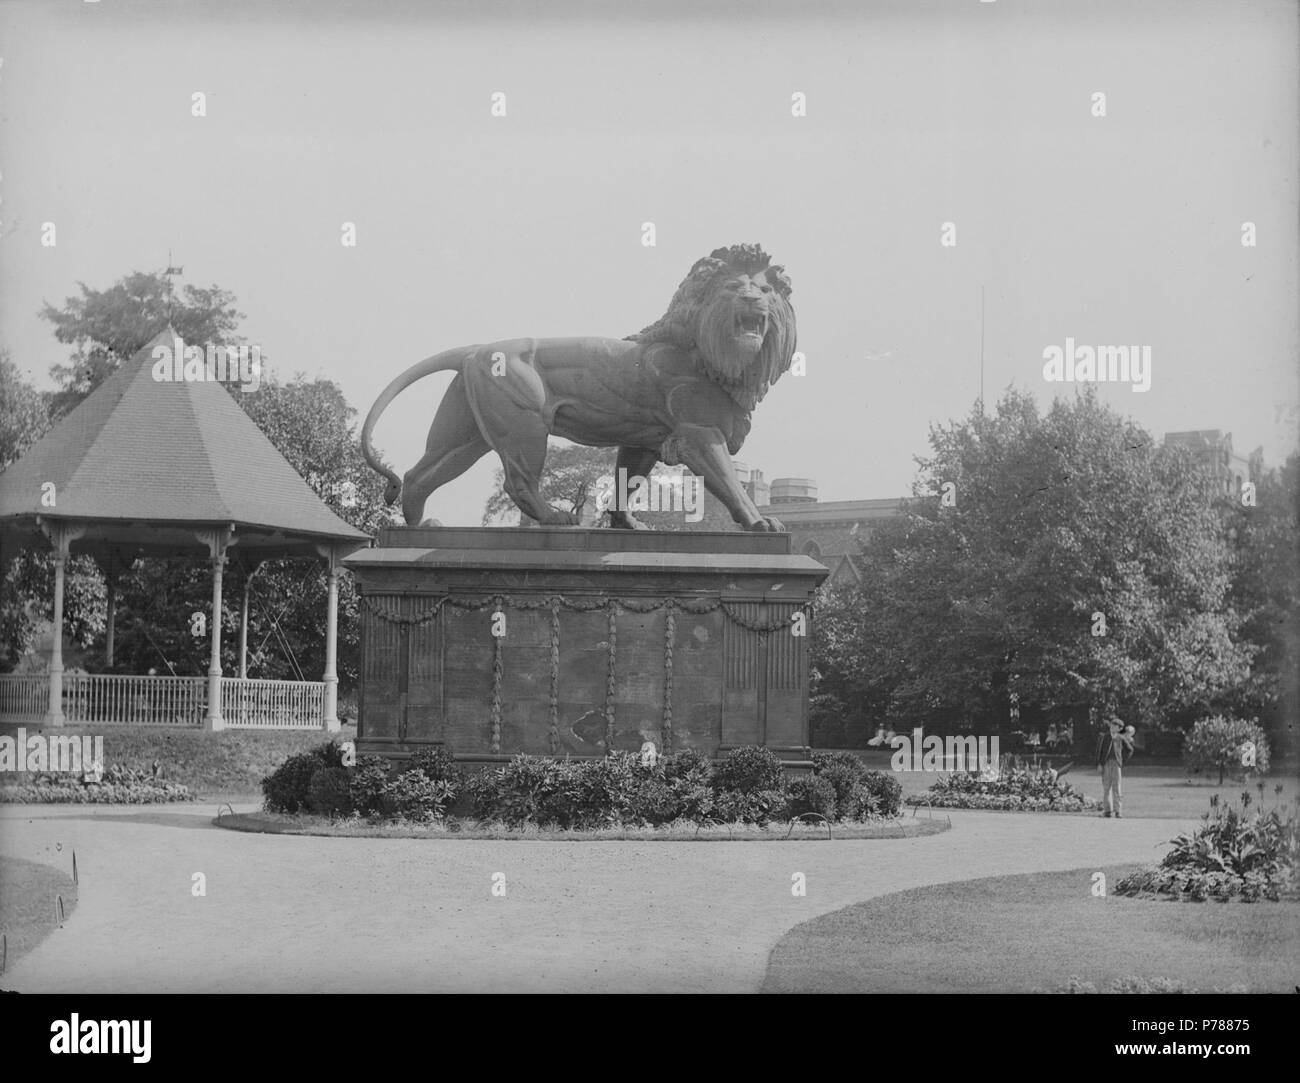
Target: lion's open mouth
<point x="752" y="323"/>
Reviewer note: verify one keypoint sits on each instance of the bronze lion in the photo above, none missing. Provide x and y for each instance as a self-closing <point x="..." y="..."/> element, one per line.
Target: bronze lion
<point x="680" y="392"/>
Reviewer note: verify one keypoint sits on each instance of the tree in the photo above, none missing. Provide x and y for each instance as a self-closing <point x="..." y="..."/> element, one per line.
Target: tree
<point x="1054" y="564"/>
<point x="569" y="482"/>
<point x="24" y="413"/>
<point x="312" y="425"/>
<point x="107" y="326"/>
<point x="1266" y="591"/>
<point x="26" y="597"/>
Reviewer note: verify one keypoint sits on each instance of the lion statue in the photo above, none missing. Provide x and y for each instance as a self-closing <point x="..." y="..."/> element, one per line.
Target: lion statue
<point x="680" y="392"/>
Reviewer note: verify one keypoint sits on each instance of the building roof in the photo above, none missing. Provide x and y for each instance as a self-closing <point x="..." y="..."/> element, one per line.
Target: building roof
<point x="141" y="460"/>
<point x="831" y="511"/>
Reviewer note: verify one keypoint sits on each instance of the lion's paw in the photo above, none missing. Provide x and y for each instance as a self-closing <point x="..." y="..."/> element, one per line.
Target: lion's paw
<point x="769" y="526"/>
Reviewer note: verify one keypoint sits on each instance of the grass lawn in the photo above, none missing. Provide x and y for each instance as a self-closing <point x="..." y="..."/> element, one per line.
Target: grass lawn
<point x="27" y="903"/>
<point x="215" y="766"/>
<point x="280" y="824"/>
<point x="1158" y="792"/>
<point x="1032" y="933"/>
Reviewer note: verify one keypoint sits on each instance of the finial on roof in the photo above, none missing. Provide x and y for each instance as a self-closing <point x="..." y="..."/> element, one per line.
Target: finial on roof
<point x="172" y="272"/>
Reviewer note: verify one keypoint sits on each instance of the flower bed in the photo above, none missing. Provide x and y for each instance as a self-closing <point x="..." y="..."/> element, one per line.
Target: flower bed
<point x="119" y="786"/>
<point x="1234" y="854"/>
<point x="1018" y="790"/>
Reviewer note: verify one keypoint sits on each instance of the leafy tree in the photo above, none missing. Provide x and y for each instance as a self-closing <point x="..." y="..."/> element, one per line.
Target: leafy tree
<point x="1266" y="591"/>
<point x="26" y="597"/>
<point x="1061" y="563"/>
<point x="1226" y="745"/>
<point x="568" y="482"/>
<point x="105" y="327"/>
<point x="24" y="413"/>
<point x="314" y="428"/>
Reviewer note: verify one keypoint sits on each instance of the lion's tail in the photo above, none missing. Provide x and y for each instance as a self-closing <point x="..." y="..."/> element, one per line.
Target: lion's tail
<point x="447" y="361"/>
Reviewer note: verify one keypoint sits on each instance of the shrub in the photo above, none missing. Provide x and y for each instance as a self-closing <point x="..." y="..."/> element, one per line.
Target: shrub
<point x="1223" y="743"/>
<point x="759" y="807"/>
<point x="689" y="777"/>
<point x="843" y="772"/>
<point x="483" y="790"/>
<point x="749" y="786"/>
<point x="811" y="794"/>
<point x="600" y="793"/>
<point x="881" y="795"/>
<point x="287" y="788"/>
<point x="438" y="765"/>
<point x="369" y="779"/>
<point x="528" y="789"/>
<point x="749" y="770"/>
<point x="652" y="801"/>
<point x="847" y="760"/>
<point x="686" y="763"/>
<point x="330" y="792"/>
<point x="412" y="795"/>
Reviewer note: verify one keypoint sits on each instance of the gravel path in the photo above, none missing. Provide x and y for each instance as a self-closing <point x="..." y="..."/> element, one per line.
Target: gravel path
<point x="300" y="914"/>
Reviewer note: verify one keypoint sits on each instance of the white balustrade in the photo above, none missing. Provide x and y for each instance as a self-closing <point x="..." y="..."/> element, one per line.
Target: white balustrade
<point x="107" y="698"/>
<point x="260" y="704"/>
<point x="24" y="697"/>
<point x="110" y="698"/>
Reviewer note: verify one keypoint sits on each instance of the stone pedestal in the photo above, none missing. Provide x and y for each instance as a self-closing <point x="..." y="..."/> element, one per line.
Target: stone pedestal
<point x="494" y="641"/>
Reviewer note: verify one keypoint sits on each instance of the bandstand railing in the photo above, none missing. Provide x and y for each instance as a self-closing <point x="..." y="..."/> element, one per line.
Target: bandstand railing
<point x="259" y="704"/>
<point x="24" y="697"/>
<point x="107" y="698"/>
<point x="119" y="699"/>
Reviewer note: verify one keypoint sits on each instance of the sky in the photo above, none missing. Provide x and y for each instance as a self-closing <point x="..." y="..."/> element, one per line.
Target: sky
<point x="1115" y="229"/>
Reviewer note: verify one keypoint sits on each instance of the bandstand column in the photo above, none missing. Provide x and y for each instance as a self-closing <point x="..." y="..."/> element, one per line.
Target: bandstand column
<point x="217" y="541"/>
<point x="61" y="536"/>
<point x="330" y="710"/>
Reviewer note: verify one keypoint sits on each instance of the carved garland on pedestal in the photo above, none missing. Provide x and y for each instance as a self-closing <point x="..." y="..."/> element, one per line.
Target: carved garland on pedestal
<point x="670" y="632"/>
<point x="555" y="676"/>
<point x="498" y="668"/>
<point x="611" y="637"/>
<point x="388" y="610"/>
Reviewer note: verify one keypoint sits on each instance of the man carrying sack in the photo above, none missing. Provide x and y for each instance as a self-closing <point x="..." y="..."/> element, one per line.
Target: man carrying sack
<point x="1112" y="750"/>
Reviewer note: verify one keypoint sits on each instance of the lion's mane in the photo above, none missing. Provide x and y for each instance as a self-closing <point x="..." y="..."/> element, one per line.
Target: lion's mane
<point x="696" y="323"/>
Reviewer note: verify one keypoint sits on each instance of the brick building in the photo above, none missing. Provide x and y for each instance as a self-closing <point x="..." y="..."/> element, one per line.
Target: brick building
<point x="1212" y="450"/>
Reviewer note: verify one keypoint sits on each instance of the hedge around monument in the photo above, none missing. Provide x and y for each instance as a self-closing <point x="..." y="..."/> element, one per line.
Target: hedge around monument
<point x="750" y="786"/>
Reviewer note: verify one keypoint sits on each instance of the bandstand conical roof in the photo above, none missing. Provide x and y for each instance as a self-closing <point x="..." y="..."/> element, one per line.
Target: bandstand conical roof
<point x="141" y="463"/>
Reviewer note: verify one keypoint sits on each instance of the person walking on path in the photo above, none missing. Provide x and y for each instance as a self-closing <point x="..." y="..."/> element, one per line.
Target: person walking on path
<point x="1112" y="750"/>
